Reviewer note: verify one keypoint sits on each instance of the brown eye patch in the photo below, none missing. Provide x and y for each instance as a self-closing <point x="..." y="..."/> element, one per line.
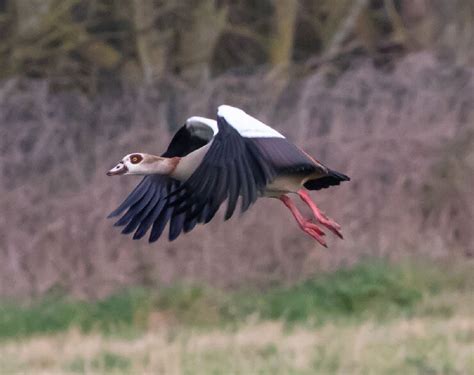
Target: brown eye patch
<point x="136" y="158"/>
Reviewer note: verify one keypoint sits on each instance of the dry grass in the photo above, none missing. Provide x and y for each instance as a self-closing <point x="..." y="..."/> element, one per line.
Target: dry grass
<point x="432" y="335"/>
<point x="419" y="345"/>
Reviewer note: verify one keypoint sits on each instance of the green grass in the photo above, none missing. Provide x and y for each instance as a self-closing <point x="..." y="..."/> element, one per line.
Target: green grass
<point x="104" y="362"/>
<point x="55" y="313"/>
<point x="371" y="289"/>
<point x="373" y="318"/>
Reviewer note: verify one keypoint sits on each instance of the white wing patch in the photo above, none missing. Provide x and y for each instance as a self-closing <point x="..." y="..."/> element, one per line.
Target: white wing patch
<point x="246" y="125"/>
<point x="202" y="127"/>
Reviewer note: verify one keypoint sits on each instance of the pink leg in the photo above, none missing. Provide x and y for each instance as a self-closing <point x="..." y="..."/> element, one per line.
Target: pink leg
<point x="312" y="229"/>
<point x="319" y="215"/>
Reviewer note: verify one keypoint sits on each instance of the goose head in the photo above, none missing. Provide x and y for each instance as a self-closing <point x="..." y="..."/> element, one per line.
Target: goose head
<point x="143" y="164"/>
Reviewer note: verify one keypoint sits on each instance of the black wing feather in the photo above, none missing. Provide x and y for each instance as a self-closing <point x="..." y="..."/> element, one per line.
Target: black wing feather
<point x="231" y="152"/>
<point x="285" y="157"/>
<point x="182" y="143"/>
<point x="150" y="219"/>
<point x="159" y="225"/>
<point x="132" y="198"/>
<point x="176" y="223"/>
<point x="234" y="189"/>
<point x="142" y="214"/>
<point x="148" y="204"/>
<point x="333" y="178"/>
<point x="133" y="210"/>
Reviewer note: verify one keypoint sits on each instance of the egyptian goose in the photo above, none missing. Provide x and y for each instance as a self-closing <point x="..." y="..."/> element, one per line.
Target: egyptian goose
<point x="208" y="162"/>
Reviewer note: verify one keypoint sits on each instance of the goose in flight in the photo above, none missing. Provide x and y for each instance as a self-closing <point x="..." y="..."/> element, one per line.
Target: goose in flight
<point x="209" y="162"/>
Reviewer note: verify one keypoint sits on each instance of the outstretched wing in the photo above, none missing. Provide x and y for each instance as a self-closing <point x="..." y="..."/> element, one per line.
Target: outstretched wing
<point x="233" y="167"/>
<point x="148" y="205"/>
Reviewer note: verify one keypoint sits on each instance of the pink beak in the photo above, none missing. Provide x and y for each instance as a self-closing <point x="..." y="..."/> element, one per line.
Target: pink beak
<point x="118" y="170"/>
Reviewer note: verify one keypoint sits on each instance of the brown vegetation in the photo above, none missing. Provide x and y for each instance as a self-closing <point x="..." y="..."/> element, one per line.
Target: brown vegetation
<point x="95" y="43"/>
<point x="405" y="137"/>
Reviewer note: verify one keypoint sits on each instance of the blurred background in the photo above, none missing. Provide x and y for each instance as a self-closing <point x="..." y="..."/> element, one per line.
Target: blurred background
<point x="382" y="90"/>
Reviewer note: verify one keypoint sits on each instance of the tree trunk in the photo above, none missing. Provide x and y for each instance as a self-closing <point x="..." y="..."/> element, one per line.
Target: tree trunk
<point x="281" y="44"/>
<point x="346" y="26"/>
<point x="151" y="43"/>
<point x="29" y="15"/>
<point x="197" y="39"/>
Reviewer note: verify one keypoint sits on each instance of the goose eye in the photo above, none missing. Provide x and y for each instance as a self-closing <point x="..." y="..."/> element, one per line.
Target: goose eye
<point x="136" y="159"/>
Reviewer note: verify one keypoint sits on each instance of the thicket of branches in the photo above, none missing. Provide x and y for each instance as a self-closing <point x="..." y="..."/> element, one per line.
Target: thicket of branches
<point x="406" y="139"/>
<point x="90" y="43"/>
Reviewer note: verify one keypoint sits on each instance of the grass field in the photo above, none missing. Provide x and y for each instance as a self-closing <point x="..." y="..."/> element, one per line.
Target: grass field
<point x="412" y="318"/>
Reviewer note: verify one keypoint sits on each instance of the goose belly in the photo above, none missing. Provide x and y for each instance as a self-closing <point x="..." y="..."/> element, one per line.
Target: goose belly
<point x="284" y="184"/>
